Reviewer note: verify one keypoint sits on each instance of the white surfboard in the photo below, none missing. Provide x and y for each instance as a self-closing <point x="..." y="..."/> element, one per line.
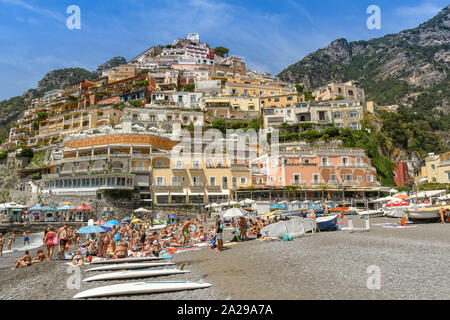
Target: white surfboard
<point x="141" y="288"/>
<point x="141" y="273"/>
<point x="124" y="260"/>
<point x="124" y="266"/>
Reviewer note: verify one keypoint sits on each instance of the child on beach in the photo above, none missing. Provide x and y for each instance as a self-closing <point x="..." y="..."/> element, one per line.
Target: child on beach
<point x="25" y="261"/>
<point x="26" y="238"/>
<point x="40" y="257"/>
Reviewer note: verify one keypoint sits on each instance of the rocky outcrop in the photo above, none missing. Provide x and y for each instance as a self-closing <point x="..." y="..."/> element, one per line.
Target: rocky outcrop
<point x="419" y="56"/>
<point x="114" y="62"/>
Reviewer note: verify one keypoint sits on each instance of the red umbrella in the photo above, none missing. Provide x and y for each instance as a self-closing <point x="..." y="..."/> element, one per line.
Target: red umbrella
<point x="84" y="207"/>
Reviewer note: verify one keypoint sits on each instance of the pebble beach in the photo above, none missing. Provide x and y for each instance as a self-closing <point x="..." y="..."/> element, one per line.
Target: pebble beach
<point x="325" y="265"/>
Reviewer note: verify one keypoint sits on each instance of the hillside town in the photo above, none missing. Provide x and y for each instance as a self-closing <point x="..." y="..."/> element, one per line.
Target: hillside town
<point x="187" y="172"/>
<point x="110" y="141"/>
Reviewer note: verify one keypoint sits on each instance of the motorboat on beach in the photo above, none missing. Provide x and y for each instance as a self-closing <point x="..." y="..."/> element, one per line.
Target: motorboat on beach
<point x="371" y="213"/>
<point x="327" y="222"/>
<point x="430" y="213"/>
<point x="294" y="227"/>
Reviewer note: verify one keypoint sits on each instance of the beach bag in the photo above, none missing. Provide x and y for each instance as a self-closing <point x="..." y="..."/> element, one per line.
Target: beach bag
<point x="55" y="241"/>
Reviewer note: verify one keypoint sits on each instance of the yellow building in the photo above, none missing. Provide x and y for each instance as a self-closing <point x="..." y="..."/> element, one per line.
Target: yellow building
<point x="71" y="122"/>
<point x="280" y="101"/>
<point x="251" y="88"/>
<point x="195" y="181"/>
<point x="435" y="170"/>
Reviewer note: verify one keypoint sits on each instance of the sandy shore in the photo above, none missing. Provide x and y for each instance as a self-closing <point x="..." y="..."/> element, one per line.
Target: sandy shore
<point x="326" y="265"/>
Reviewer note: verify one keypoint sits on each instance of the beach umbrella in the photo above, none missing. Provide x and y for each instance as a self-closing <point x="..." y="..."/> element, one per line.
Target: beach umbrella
<point x="127" y="219"/>
<point x="401" y="196"/>
<point x="172" y="216"/>
<point x="136" y="220"/>
<point x="113" y="222"/>
<point x="83" y="207"/>
<point x="234" y="213"/>
<point x="106" y="227"/>
<point x="91" y="229"/>
<point x="142" y="210"/>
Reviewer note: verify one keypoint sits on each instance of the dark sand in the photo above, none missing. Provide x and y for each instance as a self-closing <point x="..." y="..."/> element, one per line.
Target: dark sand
<point x="327" y="265"/>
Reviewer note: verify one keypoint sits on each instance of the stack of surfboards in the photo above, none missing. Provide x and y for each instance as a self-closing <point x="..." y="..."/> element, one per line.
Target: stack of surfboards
<point x="130" y="268"/>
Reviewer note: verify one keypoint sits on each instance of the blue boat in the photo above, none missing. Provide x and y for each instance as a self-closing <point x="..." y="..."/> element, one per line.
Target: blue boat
<point x="327" y="223"/>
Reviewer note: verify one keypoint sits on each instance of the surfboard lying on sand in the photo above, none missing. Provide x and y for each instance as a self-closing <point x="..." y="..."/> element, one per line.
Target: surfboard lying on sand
<point x="141" y="287"/>
<point x="124" y="260"/>
<point x="124" y="266"/>
<point x="141" y="273"/>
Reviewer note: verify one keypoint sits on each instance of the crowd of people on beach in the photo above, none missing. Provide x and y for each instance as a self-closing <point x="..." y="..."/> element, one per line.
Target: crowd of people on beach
<point x="140" y="239"/>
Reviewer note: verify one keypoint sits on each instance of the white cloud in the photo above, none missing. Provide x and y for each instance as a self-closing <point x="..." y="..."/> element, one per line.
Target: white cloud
<point x="44" y="12"/>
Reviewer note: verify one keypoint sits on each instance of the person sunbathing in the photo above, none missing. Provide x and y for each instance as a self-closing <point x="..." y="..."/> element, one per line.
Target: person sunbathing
<point x="78" y="259"/>
<point x="121" y="251"/>
<point x="25" y="261"/>
<point x="40" y="257"/>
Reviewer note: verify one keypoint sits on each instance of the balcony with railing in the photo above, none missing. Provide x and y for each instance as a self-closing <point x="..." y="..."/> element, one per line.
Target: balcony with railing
<point x="351" y="183"/>
<point x="140" y="169"/>
<point x="141" y="156"/>
<point x="119" y="155"/>
<point x="298" y="183"/>
<point x="196" y="185"/>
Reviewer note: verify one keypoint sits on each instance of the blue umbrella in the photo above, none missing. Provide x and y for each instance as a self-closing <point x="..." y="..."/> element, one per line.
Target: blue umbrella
<point x="113" y="222"/>
<point x="65" y="208"/>
<point x="172" y="216"/>
<point x="106" y="227"/>
<point x="127" y="219"/>
<point x="91" y="229"/>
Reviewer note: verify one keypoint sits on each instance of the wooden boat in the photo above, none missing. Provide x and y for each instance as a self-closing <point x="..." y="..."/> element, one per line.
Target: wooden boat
<point x="372" y="213"/>
<point x="431" y="213"/>
<point x="327" y="223"/>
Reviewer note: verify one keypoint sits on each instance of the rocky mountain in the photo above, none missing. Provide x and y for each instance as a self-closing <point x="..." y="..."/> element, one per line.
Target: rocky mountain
<point x="57" y="79"/>
<point x="391" y="69"/>
<point x="114" y="62"/>
<point x="63" y="78"/>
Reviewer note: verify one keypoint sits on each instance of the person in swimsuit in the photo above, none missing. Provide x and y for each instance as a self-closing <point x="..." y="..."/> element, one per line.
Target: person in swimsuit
<point x="49" y="240"/>
<point x="2" y="242"/>
<point x="185" y="231"/>
<point x="12" y="238"/>
<point x="121" y="251"/>
<point x="40" y="257"/>
<point x="77" y="258"/>
<point x="25" y="261"/>
<point x="26" y="238"/>
<point x="63" y="236"/>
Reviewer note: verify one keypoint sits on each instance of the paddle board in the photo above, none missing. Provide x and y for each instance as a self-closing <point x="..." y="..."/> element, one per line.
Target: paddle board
<point x="141" y="288"/>
<point x="124" y="260"/>
<point x="124" y="266"/>
<point x="141" y="273"/>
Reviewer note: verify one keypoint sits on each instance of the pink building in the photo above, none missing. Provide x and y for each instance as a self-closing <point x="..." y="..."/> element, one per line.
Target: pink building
<point x="317" y="167"/>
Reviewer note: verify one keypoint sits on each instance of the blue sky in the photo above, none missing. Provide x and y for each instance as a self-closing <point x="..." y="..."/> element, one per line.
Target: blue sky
<point x="269" y="34"/>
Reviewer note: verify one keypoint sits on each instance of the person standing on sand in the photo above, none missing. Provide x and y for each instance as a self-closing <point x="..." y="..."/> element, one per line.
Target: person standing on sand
<point x="185" y="231"/>
<point x="219" y="233"/>
<point x="63" y="236"/>
<point x="49" y="241"/>
<point x="2" y="242"/>
<point x="26" y="238"/>
<point x="12" y="238"/>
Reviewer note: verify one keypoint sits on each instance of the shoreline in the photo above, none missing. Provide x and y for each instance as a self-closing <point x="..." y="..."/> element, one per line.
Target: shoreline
<point x="325" y="265"/>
